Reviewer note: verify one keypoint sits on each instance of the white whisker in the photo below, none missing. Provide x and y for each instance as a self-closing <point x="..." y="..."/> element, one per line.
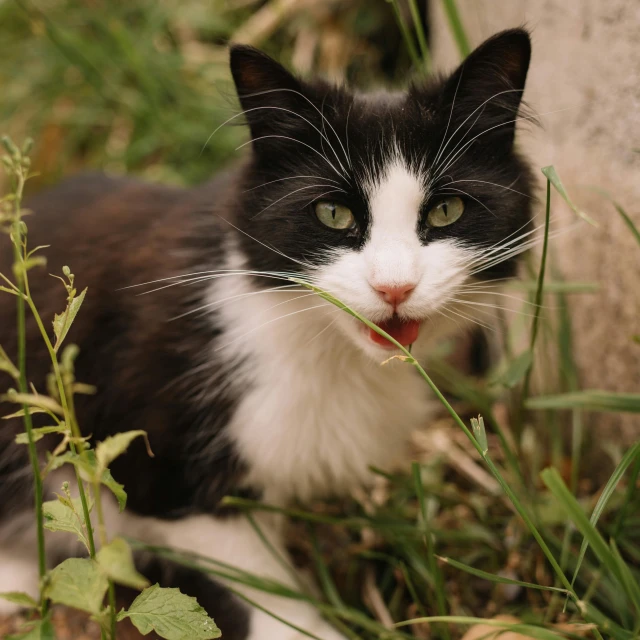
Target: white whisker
<point x="311" y="186"/>
<point x="264" y="324"/>
<point x="260" y="93"/>
<point x="289" y="178"/>
<point x="217" y="303"/>
<point x="304" y="144"/>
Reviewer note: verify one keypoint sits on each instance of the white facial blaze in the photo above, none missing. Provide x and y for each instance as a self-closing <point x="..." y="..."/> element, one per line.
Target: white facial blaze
<point x="392" y="252"/>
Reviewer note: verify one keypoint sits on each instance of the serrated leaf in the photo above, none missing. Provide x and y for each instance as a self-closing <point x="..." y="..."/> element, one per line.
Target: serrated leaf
<point x="19" y="598"/>
<point x="171" y="614"/>
<point x="59" y="516"/>
<point x="38" y="630"/>
<point x="515" y="371"/>
<point x="116" y="488"/>
<point x="62" y="322"/>
<point x="551" y="175"/>
<point x="87" y="465"/>
<point x="39" y="433"/>
<point x="79" y="583"/>
<point x="113" y="446"/>
<point x="116" y="560"/>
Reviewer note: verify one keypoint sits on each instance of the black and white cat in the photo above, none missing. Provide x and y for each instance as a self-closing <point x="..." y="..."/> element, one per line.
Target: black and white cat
<point x="402" y="205"/>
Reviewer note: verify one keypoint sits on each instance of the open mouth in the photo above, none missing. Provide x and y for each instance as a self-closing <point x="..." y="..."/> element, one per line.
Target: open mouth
<point x="403" y="331"/>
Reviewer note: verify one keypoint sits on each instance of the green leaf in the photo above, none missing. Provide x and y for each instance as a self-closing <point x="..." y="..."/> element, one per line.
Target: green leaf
<point x="38" y="630"/>
<point x="87" y="465"/>
<point x="593" y="400"/>
<point x="29" y="263"/>
<point x="32" y="400"/>
<point x="62" y="322"/>
<point x="19" y="598"/>
<point x="551" y="175"/>
<point x="78" y="583"/>
<point x="21" y="413"/>
<point x="515" y="371"/>
<point x="113" y="446"/>
<point x="171" y="614"/>
<point x="116" y="560"/>
<point x="39" y="433"/>
<point x="116" y="488"/>
<point x="7" y="366"/>
<point x="59" y="516"/>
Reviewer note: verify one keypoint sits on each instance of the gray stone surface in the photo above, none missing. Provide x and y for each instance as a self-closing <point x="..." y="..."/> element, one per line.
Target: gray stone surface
<point x="585" y="84"/>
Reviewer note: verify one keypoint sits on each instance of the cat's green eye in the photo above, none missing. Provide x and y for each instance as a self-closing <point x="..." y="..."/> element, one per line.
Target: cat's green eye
<point x="445" y="212"/>
<point x="334" y="215"/>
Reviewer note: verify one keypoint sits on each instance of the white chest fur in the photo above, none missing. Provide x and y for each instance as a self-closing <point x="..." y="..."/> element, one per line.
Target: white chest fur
<point x="315" y="412"/>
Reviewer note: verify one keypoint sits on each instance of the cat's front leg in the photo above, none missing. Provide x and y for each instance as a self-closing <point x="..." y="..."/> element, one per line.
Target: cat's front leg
<point x="233" y="541"/>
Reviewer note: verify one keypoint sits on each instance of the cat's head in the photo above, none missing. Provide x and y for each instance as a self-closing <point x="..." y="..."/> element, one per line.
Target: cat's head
<point x="397" y="203"/>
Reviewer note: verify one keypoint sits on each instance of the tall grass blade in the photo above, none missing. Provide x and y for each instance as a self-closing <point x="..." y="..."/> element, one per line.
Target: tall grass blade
<point x="538" y="298"/>
<point x="492" y="577"/>
<point x="592" y="400"/>
<point x="422" y="40"/>
<point x="434" y="569"/>
<point x="457" y="29"/>
<point x="604" y="498"/>
<point x="406" y="34"/>
<point x="553" y="177"/>
<point x="555" y="484"/>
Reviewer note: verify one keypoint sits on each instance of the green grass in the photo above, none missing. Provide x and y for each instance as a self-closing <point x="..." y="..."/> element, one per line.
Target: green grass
<point x="519" y="513"/>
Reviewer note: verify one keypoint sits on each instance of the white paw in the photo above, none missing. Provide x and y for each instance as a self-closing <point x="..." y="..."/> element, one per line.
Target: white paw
<point x="17" y="573"/>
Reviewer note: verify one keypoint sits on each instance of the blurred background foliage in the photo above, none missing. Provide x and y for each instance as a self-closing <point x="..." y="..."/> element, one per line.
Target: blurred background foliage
<point x="139" y="87"/>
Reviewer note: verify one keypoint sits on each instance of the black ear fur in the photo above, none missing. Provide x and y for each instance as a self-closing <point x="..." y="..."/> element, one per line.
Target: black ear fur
<point x="490" y="82"/>
<point x="270" y="95"/>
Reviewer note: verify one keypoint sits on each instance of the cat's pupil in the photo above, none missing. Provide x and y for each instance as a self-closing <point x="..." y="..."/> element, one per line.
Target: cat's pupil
<point x="444" y="208"/>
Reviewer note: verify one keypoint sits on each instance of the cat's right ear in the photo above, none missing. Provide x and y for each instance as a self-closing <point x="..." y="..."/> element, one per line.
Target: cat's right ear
<point x="273" y="100"/>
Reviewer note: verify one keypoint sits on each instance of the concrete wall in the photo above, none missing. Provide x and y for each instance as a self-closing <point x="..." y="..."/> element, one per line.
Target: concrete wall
<point x="586" y="62"/>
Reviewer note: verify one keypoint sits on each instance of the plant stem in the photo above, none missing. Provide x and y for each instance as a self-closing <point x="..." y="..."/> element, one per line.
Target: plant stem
<point x="452" y="412"/>
<point x="538" y="302"/>
<point x="102" y="534"/>
<point x="22" y="384"/>
<point x="69" y="418"/>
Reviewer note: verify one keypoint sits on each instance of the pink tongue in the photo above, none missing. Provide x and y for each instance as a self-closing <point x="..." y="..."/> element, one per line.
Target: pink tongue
<point x="404" y="331"/>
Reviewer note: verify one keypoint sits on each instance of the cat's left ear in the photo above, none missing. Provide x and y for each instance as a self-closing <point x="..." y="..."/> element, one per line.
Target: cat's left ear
<point x="272" y="98"/>
<point x="489" y="84"/>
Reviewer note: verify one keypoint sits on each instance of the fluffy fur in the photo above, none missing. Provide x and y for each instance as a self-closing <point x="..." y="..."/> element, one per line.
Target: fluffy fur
<point x="245" y="381"/>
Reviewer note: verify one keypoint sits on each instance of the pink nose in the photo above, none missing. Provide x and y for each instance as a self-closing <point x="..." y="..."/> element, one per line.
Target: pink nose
<point x="394" y="294"/>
